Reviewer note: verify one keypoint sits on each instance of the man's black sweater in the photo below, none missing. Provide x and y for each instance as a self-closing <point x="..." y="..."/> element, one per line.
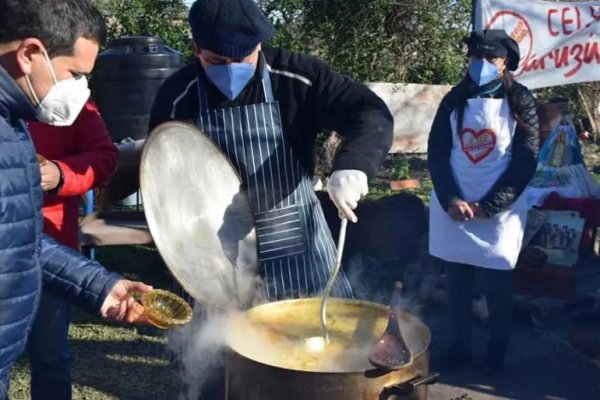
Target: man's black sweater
<point x="312" y="97"/>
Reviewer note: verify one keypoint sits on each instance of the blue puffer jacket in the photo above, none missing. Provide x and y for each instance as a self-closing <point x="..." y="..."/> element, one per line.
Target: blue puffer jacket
<point x="27" y="257"/>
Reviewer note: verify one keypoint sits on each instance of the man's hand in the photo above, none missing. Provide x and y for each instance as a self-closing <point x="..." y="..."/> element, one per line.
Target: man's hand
<point x="345" y="188"/>
<point x="461" y="211"/>
<point x="50" y="175"/>
<point x="119" y="305"/>
<point x="477" y="210"/>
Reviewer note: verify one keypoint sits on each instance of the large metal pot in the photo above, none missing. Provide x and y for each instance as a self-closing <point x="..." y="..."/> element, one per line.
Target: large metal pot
<point x="255" y="372"/>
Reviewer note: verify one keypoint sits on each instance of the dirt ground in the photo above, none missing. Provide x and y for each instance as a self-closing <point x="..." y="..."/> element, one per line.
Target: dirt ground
<point x="541" y="364"/>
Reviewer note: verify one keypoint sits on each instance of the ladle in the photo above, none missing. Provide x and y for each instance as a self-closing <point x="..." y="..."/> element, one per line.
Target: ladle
<point x="318" y="343"/>
<point x="391" y="351"/>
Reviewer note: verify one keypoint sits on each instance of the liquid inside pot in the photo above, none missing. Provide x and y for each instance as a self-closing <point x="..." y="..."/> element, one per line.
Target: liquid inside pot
<point x="275" y="334"/>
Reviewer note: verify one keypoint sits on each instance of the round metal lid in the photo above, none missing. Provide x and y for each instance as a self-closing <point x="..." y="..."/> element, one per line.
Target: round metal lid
<point x="199" y="215"/>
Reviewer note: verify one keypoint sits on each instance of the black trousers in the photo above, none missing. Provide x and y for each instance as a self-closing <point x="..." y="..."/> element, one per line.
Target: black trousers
<point x="497" y="286"/>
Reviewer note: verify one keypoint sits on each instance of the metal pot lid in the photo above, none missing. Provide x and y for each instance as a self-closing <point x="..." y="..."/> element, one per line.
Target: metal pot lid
<point x="199" y="215"/>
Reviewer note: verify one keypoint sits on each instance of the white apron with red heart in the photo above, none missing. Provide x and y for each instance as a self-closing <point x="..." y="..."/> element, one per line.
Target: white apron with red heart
<point x="480" y="154"/>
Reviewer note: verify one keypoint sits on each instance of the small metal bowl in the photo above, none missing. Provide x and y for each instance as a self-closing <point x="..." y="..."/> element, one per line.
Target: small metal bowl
<point x="166" y="310"/>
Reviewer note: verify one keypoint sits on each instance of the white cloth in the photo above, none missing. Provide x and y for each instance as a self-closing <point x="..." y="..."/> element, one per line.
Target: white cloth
<point x="345" y="188"/>
<point x="480" y="154"/>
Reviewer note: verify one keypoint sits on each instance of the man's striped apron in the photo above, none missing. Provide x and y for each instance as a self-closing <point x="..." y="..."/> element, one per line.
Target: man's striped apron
<point x="295" y="248"/>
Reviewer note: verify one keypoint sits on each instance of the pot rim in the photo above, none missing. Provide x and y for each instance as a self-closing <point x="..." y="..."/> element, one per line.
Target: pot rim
<point x="375" y="371"/>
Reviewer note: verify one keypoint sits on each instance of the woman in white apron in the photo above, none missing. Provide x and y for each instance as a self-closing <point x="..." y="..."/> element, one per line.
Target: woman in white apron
<point x="482" y="153"/>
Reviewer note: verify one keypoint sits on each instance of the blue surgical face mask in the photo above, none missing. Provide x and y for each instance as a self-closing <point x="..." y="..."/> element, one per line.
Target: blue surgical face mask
<point x="231" y="79"/>
<point x="482" y="71"/>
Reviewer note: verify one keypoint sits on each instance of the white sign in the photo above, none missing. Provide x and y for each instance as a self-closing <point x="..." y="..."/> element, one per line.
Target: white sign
<point x="413" y="107"/>
<point x="559" y="41"/>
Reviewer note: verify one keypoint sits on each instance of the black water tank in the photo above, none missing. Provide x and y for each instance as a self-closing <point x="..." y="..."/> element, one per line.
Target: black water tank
<point x="125" y="80"/>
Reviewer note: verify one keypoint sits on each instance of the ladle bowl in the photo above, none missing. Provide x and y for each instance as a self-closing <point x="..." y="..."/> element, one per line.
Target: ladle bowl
<point x="391" y="351"/>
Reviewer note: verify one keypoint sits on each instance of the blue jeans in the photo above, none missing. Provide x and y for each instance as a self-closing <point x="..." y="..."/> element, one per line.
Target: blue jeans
<point x="497" y="286"/>
<point x="49" y="353"/>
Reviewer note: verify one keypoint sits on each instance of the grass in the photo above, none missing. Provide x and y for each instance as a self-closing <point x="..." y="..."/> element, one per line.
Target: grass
<point x="397" y="167"/>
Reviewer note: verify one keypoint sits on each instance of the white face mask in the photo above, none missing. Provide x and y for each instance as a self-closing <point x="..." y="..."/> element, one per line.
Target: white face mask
<point x="64" y="101"/>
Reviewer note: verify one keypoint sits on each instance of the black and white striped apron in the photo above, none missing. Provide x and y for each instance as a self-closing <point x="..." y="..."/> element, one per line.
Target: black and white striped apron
<point x="295" y="247"/>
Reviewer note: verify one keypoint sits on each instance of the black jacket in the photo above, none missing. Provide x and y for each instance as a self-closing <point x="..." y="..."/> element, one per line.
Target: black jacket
<point x="520" y="168"/>
<point x="312" y="98"/>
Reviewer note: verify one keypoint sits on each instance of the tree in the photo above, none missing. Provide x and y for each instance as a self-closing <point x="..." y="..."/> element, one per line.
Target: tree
<point x="166" y="19"/>
<point x="584" y="101"/>
<point x="416" y="41"/>
<point x="380" y="40"/>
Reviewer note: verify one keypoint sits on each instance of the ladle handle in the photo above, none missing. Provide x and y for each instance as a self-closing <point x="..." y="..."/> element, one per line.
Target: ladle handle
<point x="334" y="273"/>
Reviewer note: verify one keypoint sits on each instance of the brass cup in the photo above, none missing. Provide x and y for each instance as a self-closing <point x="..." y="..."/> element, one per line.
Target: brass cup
<point x="166" y="310"/>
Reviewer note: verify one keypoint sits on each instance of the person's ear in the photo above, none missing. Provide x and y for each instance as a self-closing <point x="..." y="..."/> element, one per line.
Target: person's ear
<point x="25" y="53"/>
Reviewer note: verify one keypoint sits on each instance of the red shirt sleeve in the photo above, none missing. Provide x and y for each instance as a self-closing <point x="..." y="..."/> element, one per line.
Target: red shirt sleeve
<point x="95" y="159"/>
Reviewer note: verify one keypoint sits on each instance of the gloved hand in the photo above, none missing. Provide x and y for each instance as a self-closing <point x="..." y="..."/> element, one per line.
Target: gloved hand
<point x="345" y="188"/>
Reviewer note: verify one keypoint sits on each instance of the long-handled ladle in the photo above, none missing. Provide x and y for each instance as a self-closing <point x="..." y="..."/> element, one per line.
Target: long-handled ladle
<point x="318" y="343"/>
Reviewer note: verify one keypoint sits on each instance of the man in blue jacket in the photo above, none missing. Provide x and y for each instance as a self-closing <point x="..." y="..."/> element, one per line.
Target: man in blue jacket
<point x="46" y="49"/>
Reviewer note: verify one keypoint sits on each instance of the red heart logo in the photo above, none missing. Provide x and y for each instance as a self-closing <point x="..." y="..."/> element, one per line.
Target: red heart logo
<point x="477" y="145"/>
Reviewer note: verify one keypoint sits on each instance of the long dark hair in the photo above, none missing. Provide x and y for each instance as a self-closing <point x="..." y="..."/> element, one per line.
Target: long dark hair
<point x="510" y="90"/>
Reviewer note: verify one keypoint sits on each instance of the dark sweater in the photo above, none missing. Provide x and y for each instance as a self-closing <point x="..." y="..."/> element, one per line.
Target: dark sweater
<point x="521" y="167"/>
<point x="312" y="97"/>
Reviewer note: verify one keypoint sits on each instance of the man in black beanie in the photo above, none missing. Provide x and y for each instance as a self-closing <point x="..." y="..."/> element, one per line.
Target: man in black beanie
<point x="264" y="108"/>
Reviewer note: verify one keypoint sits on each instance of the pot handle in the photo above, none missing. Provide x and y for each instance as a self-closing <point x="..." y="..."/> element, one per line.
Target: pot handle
<point x="408" y="388"/>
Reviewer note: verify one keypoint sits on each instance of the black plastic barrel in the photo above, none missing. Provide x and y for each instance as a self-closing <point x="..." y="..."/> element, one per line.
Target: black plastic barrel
<point x="125" y="80"/>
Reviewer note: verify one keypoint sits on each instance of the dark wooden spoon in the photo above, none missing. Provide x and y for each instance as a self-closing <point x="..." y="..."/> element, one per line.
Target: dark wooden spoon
<point x="391" y="351"/>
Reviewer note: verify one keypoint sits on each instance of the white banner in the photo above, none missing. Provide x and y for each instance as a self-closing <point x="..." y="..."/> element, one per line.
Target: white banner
<point x="558" y="41"/>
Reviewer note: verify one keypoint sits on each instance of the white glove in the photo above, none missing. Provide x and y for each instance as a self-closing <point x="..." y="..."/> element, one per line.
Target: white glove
<point x="345" y="188"/>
